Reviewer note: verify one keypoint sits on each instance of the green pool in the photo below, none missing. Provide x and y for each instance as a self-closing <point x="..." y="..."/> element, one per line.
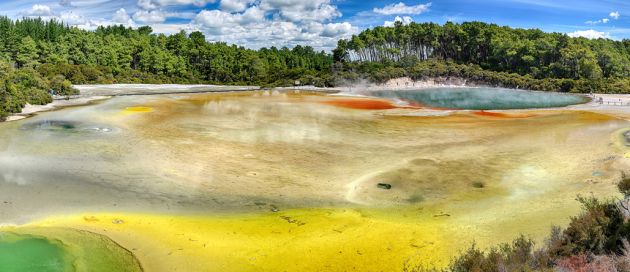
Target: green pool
<point x="19" y="253"/>
<point x="483" y="98"/>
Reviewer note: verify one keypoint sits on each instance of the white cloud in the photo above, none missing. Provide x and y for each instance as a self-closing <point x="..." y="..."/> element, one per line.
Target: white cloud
<point x="218" y="20"/>
<point x="336" y="29"/>
<point x="151" y="16"/>
<point x="65" y="3"/>
<point x="250" y="23"/>
<point x="93" y="24"/>
<point x="39" y="10"/>
<point x="615" y="15"/>
<point x="402" y="8"/>
<point x="153" y="4"/>
<point x="72" y="18"/>
<point x="235" y="5"/>
<point x="69" y="17"/>
<point x="602" y="21"/>
<point x="589" y="34"/>
<point x="301" y="10"/>
<point x="122" y="17"/>
<point x="146" y="4"/>
<point x="276" y="23"/>
<point x="173" y="28"/>
<point x="405" y="20"/>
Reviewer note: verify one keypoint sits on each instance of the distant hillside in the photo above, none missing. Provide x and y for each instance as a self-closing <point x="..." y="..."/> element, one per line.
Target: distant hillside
<point x="526" y="55"/>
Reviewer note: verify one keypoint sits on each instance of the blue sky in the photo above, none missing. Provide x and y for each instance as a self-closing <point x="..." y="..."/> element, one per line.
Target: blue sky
<point x="320" y="23"/>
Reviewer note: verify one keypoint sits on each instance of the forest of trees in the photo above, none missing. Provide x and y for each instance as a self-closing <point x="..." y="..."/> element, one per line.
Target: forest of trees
<point x="40" y="58"/>
<point x="473" y="50"/>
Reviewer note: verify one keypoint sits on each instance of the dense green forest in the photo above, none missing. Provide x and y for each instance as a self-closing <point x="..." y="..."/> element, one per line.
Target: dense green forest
<point x="39" y="58"/>
<point x="488" y="54"/>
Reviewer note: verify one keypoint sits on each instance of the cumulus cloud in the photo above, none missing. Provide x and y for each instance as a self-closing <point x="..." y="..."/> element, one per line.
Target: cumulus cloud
<point x="402" y="8"/>
<point x="235" y="5"/>
<point x="39" y="10"/>
<point x="173" y="28"/>
<point x="220" y="21"/>
<point x="589" y="34"/>
<point x="336" y="29"/>
<point x="150" y="16"/>
<point x="72" y="18"/>
<point x="615" y="15"/>
<point x="122" y="17"/>
<point x="250" y="23"/>
<point x="81" y="3"/>
<point x="300" y="10"/>
<point x="153" y="4"/>
<point x="276" y="23"/>
<point x="405" y="20"/>
<point x="146" y="4"/>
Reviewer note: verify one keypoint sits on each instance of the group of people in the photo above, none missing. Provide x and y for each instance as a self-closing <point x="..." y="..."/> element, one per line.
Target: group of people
<point x="616" y="101"/>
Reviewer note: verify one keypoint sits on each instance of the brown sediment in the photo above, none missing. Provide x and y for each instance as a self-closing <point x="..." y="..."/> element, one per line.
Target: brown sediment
<point x="361" y="104"/>
<point x="503" y="115"/>
<point x="366" y="104"/>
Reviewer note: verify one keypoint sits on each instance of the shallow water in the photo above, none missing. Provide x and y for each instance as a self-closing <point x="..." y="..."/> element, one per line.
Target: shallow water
<point x="28" y="253"/>
<point x="272" y="176"/>
<point x="483" y="98"/>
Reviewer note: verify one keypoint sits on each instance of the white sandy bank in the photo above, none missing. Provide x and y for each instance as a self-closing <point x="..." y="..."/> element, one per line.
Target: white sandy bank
<point x="146" y="89"/>
<point x="406" y="83"/>
<point x="30" y="110"/>
<point x="89" y="93"/>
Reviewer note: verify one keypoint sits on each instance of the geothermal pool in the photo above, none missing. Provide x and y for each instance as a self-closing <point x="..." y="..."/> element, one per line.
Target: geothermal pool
<point x="482" y="98"/>
<point x="271" y="181"/>
<point x="30" y="254"/>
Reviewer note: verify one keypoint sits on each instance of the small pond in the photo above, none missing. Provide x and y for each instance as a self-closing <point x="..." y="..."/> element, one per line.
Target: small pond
<point x="483" y="98"/>
<point x="29" y="253"/>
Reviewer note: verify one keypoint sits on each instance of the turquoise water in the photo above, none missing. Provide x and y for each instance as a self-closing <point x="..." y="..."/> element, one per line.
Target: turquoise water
<point x="483" y="98"/>
<point x="26" y="253"/>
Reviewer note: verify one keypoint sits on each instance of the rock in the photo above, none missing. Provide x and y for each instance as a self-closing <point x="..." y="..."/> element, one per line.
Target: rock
<point x="117" y="221"/>
<point x="385" y="186"/>
<point x="274" y="208"/>
<point x="624" y="207"/>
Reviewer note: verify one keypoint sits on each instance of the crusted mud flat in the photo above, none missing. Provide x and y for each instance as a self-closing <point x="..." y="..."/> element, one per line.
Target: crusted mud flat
<point x="258" y="180"/>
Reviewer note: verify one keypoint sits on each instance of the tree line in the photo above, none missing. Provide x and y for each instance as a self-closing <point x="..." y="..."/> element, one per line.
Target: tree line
<point x="529" y="54"/>
<point x="40" y="58"/>
<point x="50" y="53"/>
